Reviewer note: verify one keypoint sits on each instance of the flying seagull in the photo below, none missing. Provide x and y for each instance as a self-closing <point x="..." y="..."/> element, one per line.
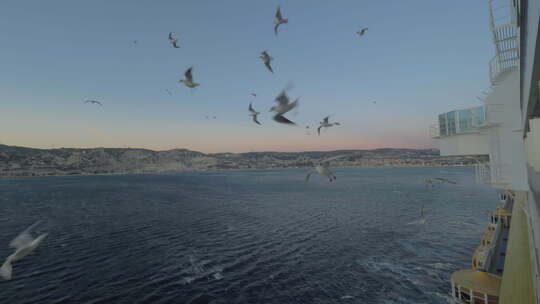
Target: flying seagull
<point x="284" y="106"/>
<point x="323" y="168"/>
<point x="173" y="40"/>
<point x="279" y="20"/>
<point x="362" y="31"/>
<point x="189" y="79"/>
<point x="93" y="102"/>
<point x="24" y="244"/>
<point x="267" y="59"/>
<point x="325" y="124"/>
<point x="444" y="180"/>
<point x="253" y="114"/>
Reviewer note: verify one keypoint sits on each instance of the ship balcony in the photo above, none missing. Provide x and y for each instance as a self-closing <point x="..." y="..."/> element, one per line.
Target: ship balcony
<point x="495" y="175"/>
<point x="475" y="287"/>
<point x="458" y="132"/>
<point x="506" y="59"/>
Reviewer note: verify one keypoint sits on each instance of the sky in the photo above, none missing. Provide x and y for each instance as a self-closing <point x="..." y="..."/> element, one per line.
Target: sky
<point x="419" y="58"/>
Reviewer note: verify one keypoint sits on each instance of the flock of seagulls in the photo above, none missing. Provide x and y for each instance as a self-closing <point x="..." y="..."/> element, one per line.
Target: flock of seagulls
<point x="283" y="103"/>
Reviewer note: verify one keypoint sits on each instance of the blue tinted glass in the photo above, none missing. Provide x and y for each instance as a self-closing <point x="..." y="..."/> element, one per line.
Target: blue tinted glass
<point x="451" y="118"/>
<point x="442" y="125"/>
<point x="465" y="122"/>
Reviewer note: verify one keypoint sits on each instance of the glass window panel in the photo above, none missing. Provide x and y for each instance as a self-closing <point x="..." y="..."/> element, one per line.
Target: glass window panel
<point x="442" y="125"/>
<point x="479" y="116"/>
<point x="451" y="118"/>
<point x="465" y="120"/>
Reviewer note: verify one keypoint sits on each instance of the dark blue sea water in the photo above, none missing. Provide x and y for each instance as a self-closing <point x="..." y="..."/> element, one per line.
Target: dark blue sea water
<point x="243" y="237"/>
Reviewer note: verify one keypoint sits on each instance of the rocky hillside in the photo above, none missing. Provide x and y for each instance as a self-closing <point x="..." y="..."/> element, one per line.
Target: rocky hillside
<point x="21" y="161"/>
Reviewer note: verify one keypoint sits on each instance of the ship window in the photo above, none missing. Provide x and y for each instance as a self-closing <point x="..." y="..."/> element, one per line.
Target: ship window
<point x="465" y="120"/>
<point x="442" y="125"/>
<point x="478" y="116"/>
<point x="451" y="118"/>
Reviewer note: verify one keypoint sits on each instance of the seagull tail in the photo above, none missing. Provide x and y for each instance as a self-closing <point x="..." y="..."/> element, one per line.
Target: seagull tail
<point x="6" y="270"/>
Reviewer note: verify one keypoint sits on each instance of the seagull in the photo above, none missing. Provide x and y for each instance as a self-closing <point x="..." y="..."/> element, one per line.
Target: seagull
<point x="189" y="79"/>
<point x="279" y="20"/>
<point x="322" y="169"/>
<point x="24" y="244"/>
<point x="444" y="180"/>
<point x="254" y="114"/>
<point x="362" y="31"/>
<point x="93" y="102"/>
<point x="267" y="59"/>
<point x="326" y="124"/>
<point x="283" y="107"/>
<point x="173" y="40"/>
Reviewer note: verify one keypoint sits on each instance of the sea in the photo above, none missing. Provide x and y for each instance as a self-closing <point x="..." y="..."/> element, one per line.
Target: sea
<point x="252" y="236"/>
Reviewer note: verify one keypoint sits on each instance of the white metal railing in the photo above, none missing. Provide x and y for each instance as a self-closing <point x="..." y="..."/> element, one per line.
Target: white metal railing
<point x="434" y="131"/>
<point x="491" y="174"/>
<point x="482" y="173"/>
<point x="501" y="64"/>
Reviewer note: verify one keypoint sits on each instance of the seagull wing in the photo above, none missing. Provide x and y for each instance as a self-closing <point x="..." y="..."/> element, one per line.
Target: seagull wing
<point x="21" y="240"/>
<point x="268" y="66"/>
<point x="308" y="176"/>
<point x="189" y="76"/>
<point x="319" y="130"/>
<point x="445" y="180"/>
<point x="171" y="36"/>
<point x="278" y="14"/>
<point x="24" y="238"/>
<point x="175" y="44"/>
<point x="255" y="119"/>
<point x="282" y="119"/>
<point x="251" y="109"/>
<point x="276" y="28"/>
<point x="325" y="120"/>
<point x="282" y="98"/>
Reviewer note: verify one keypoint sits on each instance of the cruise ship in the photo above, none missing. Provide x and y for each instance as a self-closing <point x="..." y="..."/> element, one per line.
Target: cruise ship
<point x="506" y="127"/>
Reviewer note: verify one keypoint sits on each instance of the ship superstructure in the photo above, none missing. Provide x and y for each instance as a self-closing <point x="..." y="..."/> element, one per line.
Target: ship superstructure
<point x="506" y="127"/>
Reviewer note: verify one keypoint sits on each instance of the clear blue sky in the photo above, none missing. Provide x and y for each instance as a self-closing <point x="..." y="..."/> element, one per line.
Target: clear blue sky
<point x="419" y="58"/>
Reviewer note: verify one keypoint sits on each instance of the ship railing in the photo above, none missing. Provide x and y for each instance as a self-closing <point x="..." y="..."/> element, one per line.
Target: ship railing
<point x="495" y="242"/>
<point x="507" y="52"/>
<point x="434" y="131"/>
<point x="491" y="174"/>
